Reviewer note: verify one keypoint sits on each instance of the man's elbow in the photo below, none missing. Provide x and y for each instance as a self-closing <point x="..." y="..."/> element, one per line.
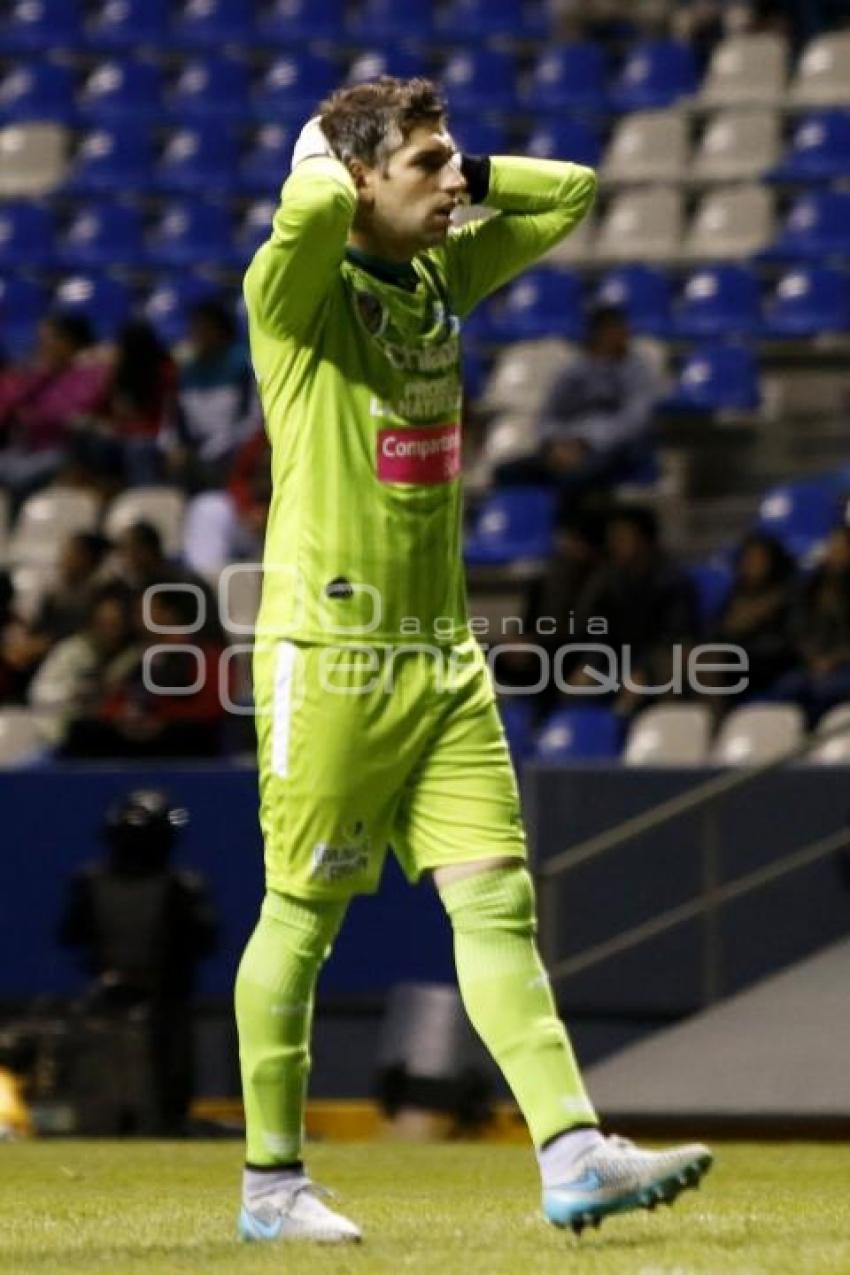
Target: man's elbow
<point x="583" y="186"/>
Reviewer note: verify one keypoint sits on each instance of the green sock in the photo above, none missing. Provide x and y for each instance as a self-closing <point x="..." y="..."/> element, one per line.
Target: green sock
<point x="509" y="1000"/>
<point x="275" y="987"/>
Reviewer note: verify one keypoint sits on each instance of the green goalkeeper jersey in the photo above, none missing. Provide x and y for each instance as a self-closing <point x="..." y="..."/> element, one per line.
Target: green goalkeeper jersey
<point x="360" y="383"/>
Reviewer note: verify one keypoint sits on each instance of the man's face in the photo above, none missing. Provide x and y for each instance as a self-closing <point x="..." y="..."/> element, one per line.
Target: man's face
<point x="407" y="201"/>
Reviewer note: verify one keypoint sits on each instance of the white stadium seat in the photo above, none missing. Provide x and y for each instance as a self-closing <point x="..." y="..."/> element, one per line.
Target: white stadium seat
<point x="22" y="735"/>
<point x="758" y="733"/>
<point x="30" y="583"/>
<point x="164" y="507"/>
<point x="823" y="74"/>
<point x="46" y="520"/>
<point x="648" y="146"/>
<point x="33" y="160"/>
<point x="576" y="248"/>
<point x="670" y="735"/>
<point x="737" y="146"/>
<point x="642" y="225"/>
<point x="746" y="70"/>
<point x="523" y="374"/>
<point x="730" y="223"/>
<point x="836" y="751"/>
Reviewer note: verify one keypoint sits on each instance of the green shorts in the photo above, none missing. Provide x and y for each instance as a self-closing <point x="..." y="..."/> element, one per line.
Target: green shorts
<point x="365" y="749"/>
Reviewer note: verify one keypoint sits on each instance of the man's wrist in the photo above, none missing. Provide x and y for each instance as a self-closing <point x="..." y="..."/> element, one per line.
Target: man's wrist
<point x="476" y="172"/>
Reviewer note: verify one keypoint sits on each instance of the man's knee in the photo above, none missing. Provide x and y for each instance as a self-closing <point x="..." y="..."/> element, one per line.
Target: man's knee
<point x="459" y="871"/>
<point x="501" y="898"/>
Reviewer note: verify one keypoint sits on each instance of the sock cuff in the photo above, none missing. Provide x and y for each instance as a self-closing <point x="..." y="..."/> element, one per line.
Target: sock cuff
<point x="502" y="897"/>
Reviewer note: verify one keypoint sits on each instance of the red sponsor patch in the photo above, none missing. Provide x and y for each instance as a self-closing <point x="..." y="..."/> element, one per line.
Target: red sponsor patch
<point x="427" y="454"/>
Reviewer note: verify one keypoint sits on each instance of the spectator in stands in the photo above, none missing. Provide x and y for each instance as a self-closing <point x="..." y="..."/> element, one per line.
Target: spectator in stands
<point x="12" y="683"/>
<point x="140" y="563"/>
<point x="595" y="425"/>
<point x="647" y="601"/>
<point x="223" y="526"/>
<point x="217" y="405"/>
<point x="821" y="628"/>
<point x="756" y="614"/>
<point x="39" y="403"/>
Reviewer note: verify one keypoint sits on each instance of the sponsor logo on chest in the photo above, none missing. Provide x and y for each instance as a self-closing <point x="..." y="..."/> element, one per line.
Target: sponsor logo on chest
<point x="422" y="455"/>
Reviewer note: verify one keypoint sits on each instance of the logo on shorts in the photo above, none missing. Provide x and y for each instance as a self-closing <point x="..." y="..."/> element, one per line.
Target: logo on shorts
<point x="344" y="857"/>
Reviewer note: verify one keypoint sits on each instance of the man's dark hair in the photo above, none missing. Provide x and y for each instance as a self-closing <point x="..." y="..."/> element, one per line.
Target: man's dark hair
<point x="603" y="316"/>
<point x="369" y="121"/>
<point x="218" y="314"/>
<point x="640" y="517"/>
<point x="145" y="534"/>
<point x="93" y="544"/>
<point x="74" y="328"/>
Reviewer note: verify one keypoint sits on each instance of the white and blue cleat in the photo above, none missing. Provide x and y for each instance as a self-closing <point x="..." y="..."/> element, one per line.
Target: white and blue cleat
<point x="296" y="1213"/>
<point x="617" y="1176"/>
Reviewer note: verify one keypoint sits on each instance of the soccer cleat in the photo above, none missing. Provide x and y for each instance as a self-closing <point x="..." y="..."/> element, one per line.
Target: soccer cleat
<point x="618" y="1176"/>
<point x="296" y="1213"/>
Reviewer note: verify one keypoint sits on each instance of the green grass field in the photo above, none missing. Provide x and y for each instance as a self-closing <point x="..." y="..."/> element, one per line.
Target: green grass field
<point x="455" y="1209"/>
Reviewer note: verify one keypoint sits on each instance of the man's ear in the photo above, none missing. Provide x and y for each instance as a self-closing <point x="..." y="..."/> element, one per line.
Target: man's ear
<point x="362" y="178"/>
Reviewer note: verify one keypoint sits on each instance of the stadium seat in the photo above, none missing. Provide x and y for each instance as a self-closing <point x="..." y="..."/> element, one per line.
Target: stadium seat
<point x="292" y="86"/>
<point x="576" y="249"/>
<point x="717" y="378"/>
<point x="400" y="60"/>
<point x="808" y="301"/>
<point x="121" y="25"/>
<point x="746" y="70"/>
<point x="835" y="751"/>
<point x="568" y="77"/>
<point x="579" y="734"/>
<point x="166" y="306"/>
<point x="37" y="90"/>
<point x="100" y="235"/>
<point x="733" y="222"/>
<point x="33" y="159"/>
<point x="758" y="733"/>
<point x="669" y="735"/>
<point x="559" y="138"/>
<point x="212" y="24"/>
<point x="21" y="736"/>
<point x="266" y="162"/>
<point x="644" y="293"/>
<point x="819" y="150"/>
<point x="285" y="22"/>
<point x="26" y="235"/>
<point x="478" y="136"/>
<point x="212" y="87"/>
<point x="515" y="712"/>
<point x="480" y="79"/>
<point x="104" y="301"/>
<point x="656" y="73"/>
<point x="46" y="520"/>
<point x="823" y="74"/>
<point x="22" y="305"/>
<point x="122" y="89"/>
<point x="523" y="375"/>
<point x="238" y="588"/>
<point x="41" y="26"/>
<point x="737" y="145"/>
<point x="719" y="301"/>
<point x="254" y="229"/>
<point x="712" y="581"/>
<point x="513" y="523"/>
<point x="802" y="513"/>
<point x="817" y="229"/>
<point x="30" y="583"/>
<point x="389" y="20"/>
<point x="114" y="158"/>
<point x="198" y="160"/>
<point x="540" y="303"/>
<point x="647" y="146"/>
<point x="190" y="233"/>
<point x="641" y="225"/>
<point x="163" y="506"/>
<point x="487" y="19"/>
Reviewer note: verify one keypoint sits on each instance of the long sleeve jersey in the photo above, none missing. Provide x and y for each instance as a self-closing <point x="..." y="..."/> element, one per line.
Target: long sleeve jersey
<point x="361" y="390"/>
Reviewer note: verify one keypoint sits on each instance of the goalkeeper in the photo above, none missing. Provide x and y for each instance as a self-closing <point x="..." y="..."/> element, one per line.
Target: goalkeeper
<point x="376" y="718"/>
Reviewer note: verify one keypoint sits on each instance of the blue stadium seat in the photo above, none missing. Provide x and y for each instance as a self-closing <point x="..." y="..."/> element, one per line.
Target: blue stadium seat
<point x="569" y="77"/>
<point x="287" y="21"/>
<point x="516" y="714"/>
<point x="293" y="86"/>
<point x="485" y="19"/>
<point x="644" y="293"/>
<point x="477" y="136"/>
<point x="122" y="89"/>
<point x="717" y="378"/>
<point x="513" y="523"/>
<point x="102" y="235"/>
<point x="719" y="301"/>
<point x="802" y="513"/>
<point x="578" y="734"/>
<point x="211" y="24"/>
<point x="38" y="90"/>
<point x="22" y="304"/>
<point x="564" y="139"/>
<point x="402" y="60"/>
<point x="809" y="300"/>
<point x="480" y="80"/>
<point x="712" y="581"/>
<point x="265" y="165"/>
<point x="104" y="301"/>
<point x="109" y="159"/>
<point x="542" y="302"/>
<point x="124" y="25"/>
<point x="26" y="235"/>
<point x="166" y="307"/>
<point x="210" y="87"/>
<point x="819" y="150"/>
<point x="198" y="159"/>
<point x="389" y="19"/>
<point x="656" y="73"/>
<point x="41" y="26"/>
<point x="817" y="228"/>
<point x="254" y="229"/>
<point x="190" y="233"/>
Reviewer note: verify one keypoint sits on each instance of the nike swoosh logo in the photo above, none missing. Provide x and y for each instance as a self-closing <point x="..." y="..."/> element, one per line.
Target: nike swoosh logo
<point x="589" y="1182"/>
<point x="266" y="1230"/>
